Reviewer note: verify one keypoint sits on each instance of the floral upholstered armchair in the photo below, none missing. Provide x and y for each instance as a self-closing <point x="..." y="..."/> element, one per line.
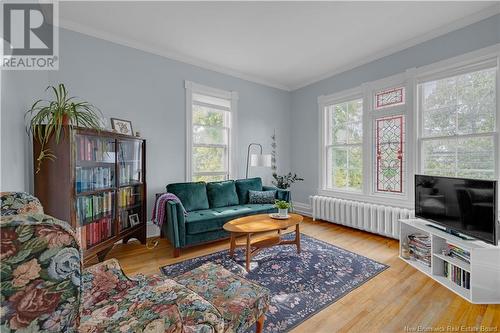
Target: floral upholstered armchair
<point x="40" y="268"/>
<point x="45" y="289"/>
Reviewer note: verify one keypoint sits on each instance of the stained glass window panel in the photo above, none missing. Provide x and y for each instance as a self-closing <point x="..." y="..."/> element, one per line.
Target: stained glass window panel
<point x="390" y="97"/>
<point x="389" y="154"/>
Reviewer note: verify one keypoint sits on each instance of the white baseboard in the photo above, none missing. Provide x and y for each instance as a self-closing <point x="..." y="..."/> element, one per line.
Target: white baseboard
<point x="302" y="208"/>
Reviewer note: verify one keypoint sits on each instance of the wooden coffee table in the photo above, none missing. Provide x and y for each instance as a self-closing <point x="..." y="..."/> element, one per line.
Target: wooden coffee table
<point x="257" y="224"/>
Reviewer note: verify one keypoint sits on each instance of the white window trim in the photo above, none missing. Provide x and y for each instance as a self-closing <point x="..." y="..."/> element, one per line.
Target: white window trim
<point x="192" y="87"/>
<point x="410" y="78"/>
<point x="324" y="101"/>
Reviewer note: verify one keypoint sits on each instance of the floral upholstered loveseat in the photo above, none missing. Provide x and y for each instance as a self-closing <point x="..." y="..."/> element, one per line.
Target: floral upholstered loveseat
<point x="45" y="289"/>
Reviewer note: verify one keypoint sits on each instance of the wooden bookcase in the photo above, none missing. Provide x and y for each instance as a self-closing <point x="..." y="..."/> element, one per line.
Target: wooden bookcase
<point x="97" y="181"/>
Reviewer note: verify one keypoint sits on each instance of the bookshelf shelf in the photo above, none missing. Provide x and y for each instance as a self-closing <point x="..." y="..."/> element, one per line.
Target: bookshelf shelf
<point x="476" y="282"/>
<point x="83" y="186"/>
<point x="103" y="190"/>
<point x="455" y="262"/>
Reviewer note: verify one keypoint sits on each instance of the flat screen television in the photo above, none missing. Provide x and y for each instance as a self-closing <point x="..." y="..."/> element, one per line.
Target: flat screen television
<point x="462" y="206"/>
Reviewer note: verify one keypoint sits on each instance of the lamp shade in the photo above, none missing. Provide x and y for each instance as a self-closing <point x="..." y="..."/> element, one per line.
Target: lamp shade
<point x="260" y="160"/>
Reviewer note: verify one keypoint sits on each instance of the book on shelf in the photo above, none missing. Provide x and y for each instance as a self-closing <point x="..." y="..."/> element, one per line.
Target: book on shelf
<point x="94" y="149"/>
<point x="457" y="275"/>
<point x="95" y="178"/>
<point x="420" y="248"/>
<point x="93" y="207"/>
<point x="99" y="231"/>
<point x="129" y="196"/>
<point x="458" y="253"/>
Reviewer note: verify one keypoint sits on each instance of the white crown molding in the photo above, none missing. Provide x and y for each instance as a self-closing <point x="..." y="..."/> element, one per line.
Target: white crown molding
<point x="455" y="25"/>
<point x="129" y="42"/>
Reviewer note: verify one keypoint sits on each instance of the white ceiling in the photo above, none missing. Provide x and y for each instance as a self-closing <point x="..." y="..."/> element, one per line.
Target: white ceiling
<point x="282" y="44"/>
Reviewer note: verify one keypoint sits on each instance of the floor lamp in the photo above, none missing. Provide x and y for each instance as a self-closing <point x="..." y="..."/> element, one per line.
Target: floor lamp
<point x="262" y="160"/>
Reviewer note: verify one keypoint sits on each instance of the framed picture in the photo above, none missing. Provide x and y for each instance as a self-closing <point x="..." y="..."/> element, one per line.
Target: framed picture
<point x="134" y="220"/>
<point x="122" y="126"/>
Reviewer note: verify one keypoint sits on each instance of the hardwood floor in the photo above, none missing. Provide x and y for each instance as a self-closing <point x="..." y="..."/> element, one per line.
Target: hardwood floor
<point x="399" y="299"/>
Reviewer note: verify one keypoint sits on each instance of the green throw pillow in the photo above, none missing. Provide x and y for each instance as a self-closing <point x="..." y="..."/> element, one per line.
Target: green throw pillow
<point x="192" y="195"/>
<point x="245" y="185"/>
<point x="222" y="194"/>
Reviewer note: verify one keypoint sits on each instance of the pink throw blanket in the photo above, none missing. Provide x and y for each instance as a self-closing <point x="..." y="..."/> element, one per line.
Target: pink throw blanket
<point x="159" y="207"/>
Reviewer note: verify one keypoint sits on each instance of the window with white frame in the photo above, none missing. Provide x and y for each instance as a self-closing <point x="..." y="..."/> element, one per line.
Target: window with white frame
<point x="211" y="114"/>
<point x="440" y="119"/>
<point x="458" y="131"/>
<point x="343" y="141"/>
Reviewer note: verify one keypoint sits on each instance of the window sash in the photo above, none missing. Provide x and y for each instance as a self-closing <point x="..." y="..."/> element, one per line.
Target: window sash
<point x="454" y="137"/>
<point x="330" y="143"/>
<point x="210" y="102"/>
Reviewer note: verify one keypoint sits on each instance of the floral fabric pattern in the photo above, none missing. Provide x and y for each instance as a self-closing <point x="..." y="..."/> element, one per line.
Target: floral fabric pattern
<point x="40" y="283"/>
<point x="300" y="284"/>
<point x="43" y="288"/>
<point x="240" y="302"/>
<point x="115" y="303"/>
<point x="19" y="203"/>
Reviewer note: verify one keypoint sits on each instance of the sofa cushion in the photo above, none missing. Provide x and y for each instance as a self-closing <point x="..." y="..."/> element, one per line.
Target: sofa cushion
<point x="261" y="197"/>
<point x="192" y="195"/>
<point x="201" y="221"/>
<point x="222" y="194"/>
<point x="244" y="185"/>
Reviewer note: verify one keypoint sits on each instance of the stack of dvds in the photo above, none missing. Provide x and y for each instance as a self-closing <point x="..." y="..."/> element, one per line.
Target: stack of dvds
<point x="457" y="275"/>
<point x="458" y="253"/>
<point x="420" y="248"/>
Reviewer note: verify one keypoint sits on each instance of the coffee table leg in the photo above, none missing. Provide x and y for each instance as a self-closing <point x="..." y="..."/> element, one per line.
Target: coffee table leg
<point x="297" y="237"/>
<point x="249" y="253"/>
<point x="232" y="244"/>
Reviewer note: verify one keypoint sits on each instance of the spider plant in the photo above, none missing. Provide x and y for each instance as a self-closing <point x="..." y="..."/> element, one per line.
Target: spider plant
<point x="49" y="117"/>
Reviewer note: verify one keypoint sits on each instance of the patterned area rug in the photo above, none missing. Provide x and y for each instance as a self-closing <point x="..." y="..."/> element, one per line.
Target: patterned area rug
<point x="300" y="284"/>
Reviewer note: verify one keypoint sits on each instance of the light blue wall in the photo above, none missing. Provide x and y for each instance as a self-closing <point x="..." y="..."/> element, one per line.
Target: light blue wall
<point x="305" y="139"/>
<point x="148" y="90"/>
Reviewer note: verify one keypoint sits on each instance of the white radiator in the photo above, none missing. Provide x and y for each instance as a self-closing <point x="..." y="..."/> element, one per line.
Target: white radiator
<point x="379" y="219"/>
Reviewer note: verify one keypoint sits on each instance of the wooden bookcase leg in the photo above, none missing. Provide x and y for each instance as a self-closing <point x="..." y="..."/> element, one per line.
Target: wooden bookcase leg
<point x="102" y="255"/>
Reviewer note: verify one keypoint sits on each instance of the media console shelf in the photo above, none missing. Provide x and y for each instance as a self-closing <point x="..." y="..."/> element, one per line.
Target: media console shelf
<point x="480" y="278"/>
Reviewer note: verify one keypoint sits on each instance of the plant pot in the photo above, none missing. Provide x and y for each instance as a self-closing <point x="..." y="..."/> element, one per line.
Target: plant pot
<point x="283" y="212"/>
<point x="65" y="120"/>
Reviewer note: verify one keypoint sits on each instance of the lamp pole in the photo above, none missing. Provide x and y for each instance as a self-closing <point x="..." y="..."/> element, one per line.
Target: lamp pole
<point x="248" y="154"/>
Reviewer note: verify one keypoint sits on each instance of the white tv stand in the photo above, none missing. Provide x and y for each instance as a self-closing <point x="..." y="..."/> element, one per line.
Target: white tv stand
<point x="484" y="267"/>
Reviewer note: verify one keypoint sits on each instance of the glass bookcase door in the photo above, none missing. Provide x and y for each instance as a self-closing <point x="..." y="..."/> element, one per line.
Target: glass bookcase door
<point x="130" y="162"/>
<point x="95" y="187"/>
<point x="95" y="163"/>
<point x="131" y="179"/>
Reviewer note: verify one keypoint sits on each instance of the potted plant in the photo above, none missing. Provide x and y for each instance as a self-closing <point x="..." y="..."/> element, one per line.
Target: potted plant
<point x="283" y="207"/>
<point x="50" y="117"/>
<point x="285" y="181"/>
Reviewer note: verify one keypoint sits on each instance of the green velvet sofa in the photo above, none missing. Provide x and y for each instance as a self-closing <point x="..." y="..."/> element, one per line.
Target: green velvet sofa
<point x="209" y="206"/>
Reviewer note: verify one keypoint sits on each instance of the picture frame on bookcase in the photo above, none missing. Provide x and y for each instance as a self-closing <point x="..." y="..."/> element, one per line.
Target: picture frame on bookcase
<point x="134" y="220"/>
<point x="122" y="126"/>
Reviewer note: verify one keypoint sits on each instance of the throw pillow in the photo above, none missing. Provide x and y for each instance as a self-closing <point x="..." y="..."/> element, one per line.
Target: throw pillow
<point x="192" y="195"/>
<point x="261" y="197"/>
<point x="244" y="185"/>
<point x="222" y="194"/>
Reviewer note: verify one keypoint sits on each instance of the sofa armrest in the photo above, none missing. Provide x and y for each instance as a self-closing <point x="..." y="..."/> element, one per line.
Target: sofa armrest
<point x="280" y="193"/>
<point x="173" y="226"/>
